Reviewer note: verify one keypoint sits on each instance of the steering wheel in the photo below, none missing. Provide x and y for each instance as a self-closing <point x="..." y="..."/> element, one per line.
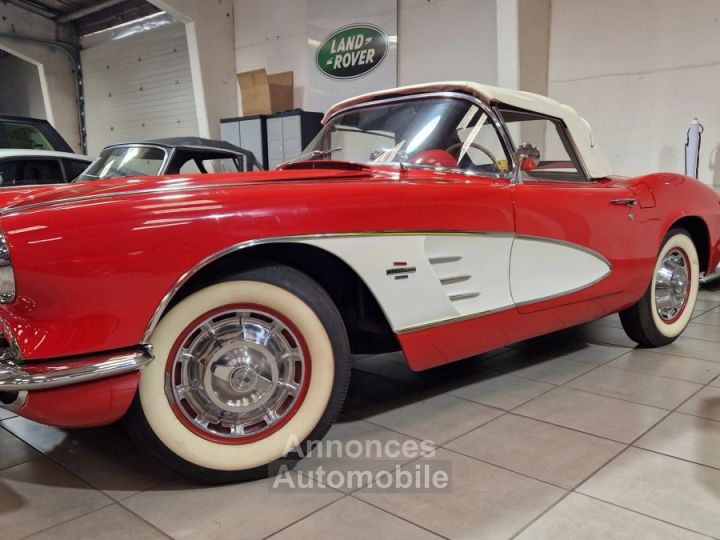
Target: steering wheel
<point x="450" y="149"/>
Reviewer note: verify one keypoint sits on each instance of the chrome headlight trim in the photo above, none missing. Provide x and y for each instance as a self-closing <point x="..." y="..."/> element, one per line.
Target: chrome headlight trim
<point x="7" y="276"/>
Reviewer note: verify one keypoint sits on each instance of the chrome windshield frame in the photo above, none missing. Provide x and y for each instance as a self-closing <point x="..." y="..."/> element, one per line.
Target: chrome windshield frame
<point x="486" y="109"/>
<point x="167" y="152"/>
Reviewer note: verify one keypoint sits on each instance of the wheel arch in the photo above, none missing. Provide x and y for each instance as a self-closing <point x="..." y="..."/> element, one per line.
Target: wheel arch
<point x="700" y="235"/>
<point x="368" y="328"/>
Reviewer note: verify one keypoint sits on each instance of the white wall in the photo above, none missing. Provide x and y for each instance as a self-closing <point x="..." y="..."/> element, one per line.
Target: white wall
<point x="639" y="72"/>
<point x="20" y="91"/>
<point x="438" y="40"/>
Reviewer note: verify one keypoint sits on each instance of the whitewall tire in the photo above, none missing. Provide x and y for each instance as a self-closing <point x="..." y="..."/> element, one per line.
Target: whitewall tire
<point x="665" y="309"/>
<point x="242" y="369"/>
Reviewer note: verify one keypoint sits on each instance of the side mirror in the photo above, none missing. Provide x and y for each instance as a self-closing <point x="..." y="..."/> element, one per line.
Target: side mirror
<point x="527" y="156"/>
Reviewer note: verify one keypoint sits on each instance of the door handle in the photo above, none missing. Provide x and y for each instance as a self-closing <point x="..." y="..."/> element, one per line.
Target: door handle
<point x="624" y="202"/>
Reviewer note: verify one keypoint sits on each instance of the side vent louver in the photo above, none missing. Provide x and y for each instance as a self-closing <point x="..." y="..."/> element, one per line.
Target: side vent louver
<point x="451" y="273"/>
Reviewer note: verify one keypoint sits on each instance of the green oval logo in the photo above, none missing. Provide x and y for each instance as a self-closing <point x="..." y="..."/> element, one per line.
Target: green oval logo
<point x="352" y="51"/>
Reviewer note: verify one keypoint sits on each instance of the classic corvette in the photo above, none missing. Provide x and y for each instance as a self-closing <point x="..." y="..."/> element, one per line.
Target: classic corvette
<point x="217" y="314"/>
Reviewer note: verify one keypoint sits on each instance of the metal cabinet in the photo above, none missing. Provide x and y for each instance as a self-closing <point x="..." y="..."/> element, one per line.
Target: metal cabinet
<point x="248" y="132"/>
<point x="275" y="138"/>
<point x="288" y="133"/>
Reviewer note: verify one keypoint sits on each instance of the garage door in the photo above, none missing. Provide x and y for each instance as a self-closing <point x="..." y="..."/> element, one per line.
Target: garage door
<point x="138" y="85"/>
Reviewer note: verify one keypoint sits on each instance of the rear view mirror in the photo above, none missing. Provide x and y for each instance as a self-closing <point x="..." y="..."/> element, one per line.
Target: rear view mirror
<point x="527" y="156"/>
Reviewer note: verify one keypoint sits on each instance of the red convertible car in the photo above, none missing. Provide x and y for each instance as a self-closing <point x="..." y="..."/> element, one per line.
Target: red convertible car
<point x="217" y="314"/>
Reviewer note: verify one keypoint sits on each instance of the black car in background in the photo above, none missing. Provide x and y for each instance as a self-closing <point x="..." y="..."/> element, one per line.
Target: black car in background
<point x="30" y="133"/>
<point x="177" y="155"/>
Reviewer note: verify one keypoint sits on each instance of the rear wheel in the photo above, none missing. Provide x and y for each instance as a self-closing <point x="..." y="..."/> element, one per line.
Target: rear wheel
<point x="665" y="309"/>
<point x="243" y="371"/>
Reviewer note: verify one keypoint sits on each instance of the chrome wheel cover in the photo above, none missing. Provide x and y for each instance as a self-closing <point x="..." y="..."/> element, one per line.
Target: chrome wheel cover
<point x="672" y="285"/>
<point x="237" y="373"/>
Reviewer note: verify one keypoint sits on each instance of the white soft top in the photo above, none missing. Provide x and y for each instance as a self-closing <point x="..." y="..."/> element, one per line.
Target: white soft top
<point x="26" y="153"/>
<point x="593" y="159"/>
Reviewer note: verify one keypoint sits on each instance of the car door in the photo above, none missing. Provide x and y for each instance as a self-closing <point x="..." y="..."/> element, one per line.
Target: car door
<point x="575" y="237"/>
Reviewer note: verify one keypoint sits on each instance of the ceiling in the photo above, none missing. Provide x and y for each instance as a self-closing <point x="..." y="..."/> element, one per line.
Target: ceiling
<point x="88" y="16"/>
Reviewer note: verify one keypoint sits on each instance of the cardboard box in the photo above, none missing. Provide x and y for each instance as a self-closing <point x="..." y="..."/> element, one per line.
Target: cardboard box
<point x="265" y="94"/>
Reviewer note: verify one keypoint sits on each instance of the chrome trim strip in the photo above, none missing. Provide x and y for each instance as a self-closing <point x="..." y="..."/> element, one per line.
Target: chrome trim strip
<point x="453" y="279"/>
<point x="452" y="320"/>
<point x="463" y="296"/>
<point x="64" y="372"/>
<point x="441" y="260"/>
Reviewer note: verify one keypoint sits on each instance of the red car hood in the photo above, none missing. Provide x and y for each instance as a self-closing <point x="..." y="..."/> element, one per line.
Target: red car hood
<point x="16" y="198"/>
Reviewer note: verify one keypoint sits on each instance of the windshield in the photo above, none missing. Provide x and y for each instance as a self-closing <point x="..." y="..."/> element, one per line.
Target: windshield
<point x="435" y="132"/>
<point x="121" y="161"/>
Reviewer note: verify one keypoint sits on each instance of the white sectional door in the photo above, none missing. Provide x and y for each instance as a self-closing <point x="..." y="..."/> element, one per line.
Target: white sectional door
<point x="138" y="87"/>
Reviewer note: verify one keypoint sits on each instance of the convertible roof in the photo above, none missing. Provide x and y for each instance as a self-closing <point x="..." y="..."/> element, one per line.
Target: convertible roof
<point x="198" y="143"/>
<point x="595" y="163"/>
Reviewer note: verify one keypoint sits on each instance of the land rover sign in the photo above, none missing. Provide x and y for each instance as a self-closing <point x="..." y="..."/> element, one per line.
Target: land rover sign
<point x="352" y="51"/>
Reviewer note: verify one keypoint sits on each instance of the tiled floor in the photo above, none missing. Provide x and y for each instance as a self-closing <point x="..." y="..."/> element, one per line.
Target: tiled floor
<point x="575" y="435"/>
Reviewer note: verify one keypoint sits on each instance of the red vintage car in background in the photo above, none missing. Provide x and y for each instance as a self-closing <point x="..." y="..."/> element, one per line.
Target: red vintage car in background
<point x="217" y="314"/>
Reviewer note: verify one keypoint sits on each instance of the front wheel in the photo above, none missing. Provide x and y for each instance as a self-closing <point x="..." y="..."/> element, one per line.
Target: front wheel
<point x="244" y="370"/>
<point x="665" y="309"/>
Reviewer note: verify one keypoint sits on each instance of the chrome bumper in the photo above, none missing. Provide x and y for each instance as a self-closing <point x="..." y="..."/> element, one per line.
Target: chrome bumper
<point x="42" y="375"/>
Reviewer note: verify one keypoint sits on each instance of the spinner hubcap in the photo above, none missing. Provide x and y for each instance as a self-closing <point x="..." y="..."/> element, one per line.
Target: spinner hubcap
<point x="237" y="374"/>
<point x="672" y="285"/>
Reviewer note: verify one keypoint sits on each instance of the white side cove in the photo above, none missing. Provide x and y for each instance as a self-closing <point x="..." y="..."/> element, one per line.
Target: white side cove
<point x="422" y="280"/>
<point x="546" y="269"/>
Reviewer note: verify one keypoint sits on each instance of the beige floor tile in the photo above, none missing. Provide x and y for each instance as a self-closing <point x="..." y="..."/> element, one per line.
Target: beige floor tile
<point x="40" y="494"/>
<point x="501" y="391"/>
<point x="715" y="382"/>
<point x="686" y="437"/>
<point x="554" y="371"/>
<point x="578" y="516"/>
<point x="372" y="458"/>
<point x="560" y="349"/>
<point x="553" y="454"/>
<point x="109" y="523"/>
<point x="114" y="466"/>
<point x="598" y="415"/>
<point x="49" y="439"/>
<point x="253" y="509"/>
<point x="484" y="502"/>
<point x="702" y="331"/>
<point x="660" y="486"/>
<point x="638" y="387"/>
<point x="665" y="365"/>
<point x="706" y="403"/>
<point x="438" y="418"/>
<point x="692" y="348"/>
<point x="5" y="414"/>
<point x="549" y="366"/>
<point x="711" y="318"/>
<point x="351" y="519"/>
<point x="13" y="451"/>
